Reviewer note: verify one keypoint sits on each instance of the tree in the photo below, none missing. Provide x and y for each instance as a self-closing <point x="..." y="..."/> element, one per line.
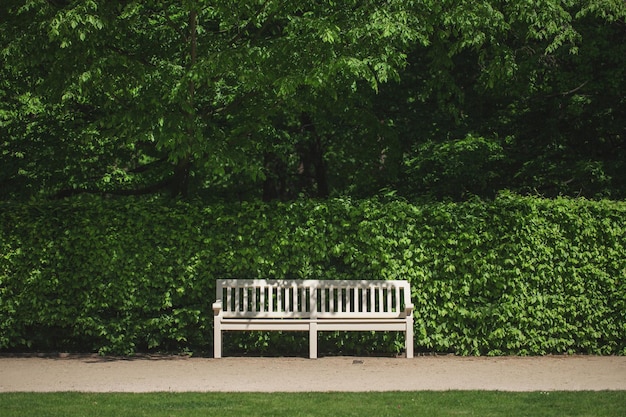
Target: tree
<point x="540" y="82"/>
<point x="156" y="95"/>
<point x="280" y="98"/>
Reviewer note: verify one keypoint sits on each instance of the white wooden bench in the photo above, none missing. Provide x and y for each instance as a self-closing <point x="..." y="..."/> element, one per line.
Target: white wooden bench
<point x="312" y="305"/>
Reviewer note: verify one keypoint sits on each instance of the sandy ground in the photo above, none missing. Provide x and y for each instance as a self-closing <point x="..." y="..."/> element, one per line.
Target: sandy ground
<point x="91" y="373"/>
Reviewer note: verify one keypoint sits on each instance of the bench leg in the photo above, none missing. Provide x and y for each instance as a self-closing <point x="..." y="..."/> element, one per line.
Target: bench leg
<point x="408" y="340"/>
<point x="217" y="341"/>
<point x="313" y="340"/>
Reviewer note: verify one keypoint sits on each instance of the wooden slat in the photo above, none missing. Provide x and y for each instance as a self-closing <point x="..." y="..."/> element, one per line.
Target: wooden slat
<point x="340" y="300"/>
<point x="363" y="299"/>
<point x="270" y="299"/>
<point x="398" y="299"/>
<point x="298" y="299"/>
<point x="312" y="295"/>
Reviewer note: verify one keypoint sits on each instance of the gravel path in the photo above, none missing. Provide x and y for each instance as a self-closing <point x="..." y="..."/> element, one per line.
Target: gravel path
<point x="91" y="373"/>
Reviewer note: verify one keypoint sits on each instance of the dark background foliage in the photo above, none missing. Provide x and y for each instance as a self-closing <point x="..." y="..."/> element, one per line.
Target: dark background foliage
<point x="278" y="100"/>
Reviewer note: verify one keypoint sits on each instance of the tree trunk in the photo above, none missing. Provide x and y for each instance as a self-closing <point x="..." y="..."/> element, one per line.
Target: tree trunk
<point x="179" y="185"/>
<point x="312" y="158"/>
<point x="274" y="185"/>
<point x="180" y="180"/>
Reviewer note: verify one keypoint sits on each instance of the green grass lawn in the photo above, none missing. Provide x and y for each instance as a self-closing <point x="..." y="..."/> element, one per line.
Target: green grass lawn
<point x="415" y="404"/>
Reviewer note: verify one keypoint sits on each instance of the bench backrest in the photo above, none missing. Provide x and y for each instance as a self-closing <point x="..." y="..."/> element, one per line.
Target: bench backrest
<point x="313" y="298"/>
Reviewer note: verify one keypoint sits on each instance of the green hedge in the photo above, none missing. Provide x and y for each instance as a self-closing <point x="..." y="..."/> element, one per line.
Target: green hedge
<point x="517" y="275"/>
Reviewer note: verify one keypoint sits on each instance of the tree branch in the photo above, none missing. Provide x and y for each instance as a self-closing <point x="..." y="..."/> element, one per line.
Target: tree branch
<point x="143" y="168"/>
<point x="567" y="93"/>
<point x="173" y="25"/>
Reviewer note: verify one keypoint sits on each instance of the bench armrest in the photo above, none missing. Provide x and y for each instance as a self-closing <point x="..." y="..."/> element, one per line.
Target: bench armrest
<point x="408" y="309"/>
<point x="217" y="307"/>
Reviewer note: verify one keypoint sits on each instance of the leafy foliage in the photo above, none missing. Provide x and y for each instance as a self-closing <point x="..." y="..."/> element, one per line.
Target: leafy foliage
<point x="146" y="96"/>
<point x="517" y="275"/>
<point x="273" y="99"/>
<point x="455" y="169"/>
